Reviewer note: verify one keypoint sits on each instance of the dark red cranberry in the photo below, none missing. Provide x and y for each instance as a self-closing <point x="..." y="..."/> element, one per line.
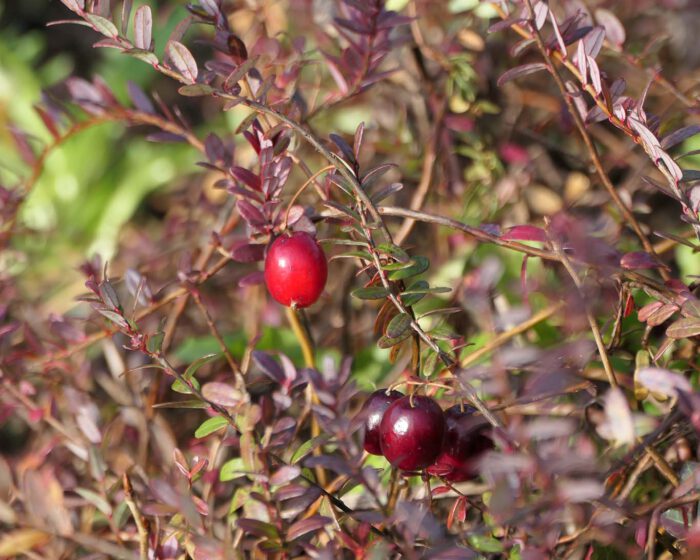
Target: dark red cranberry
<point x="466" y="440"/>
<point x="295" y="269"/>
<point x="411" y="432"/>
<point x="374" y="409"/>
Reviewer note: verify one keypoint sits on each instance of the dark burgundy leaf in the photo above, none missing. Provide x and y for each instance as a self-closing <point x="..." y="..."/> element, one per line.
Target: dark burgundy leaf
<point x="506" y="23"/>
<point x="519" y="71"/>
<point x="344" y="147"/>
<point x="140" y="99"/>
<point x="258" y="528"/>
<point x="246" y="176"/>
<point x="165" y="137"/>
<point x="248" y="253"/>
<point x="251" y="214"/>
<point x="269" y="366"/>
<point x="679" y="136"/>
<point x="306" y="526"/>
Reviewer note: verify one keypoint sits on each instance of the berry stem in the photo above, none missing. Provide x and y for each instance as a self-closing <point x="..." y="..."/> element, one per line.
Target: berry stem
<point x="307" y="345"/>
<point x="307" y="349"/>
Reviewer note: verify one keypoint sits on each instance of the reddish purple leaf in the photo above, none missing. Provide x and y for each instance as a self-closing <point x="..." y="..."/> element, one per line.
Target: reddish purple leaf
<point x="645" y="312"/>
<point x="593" y="41"/>
<point x="459" y="123"/>
<point x="614" y="30"/>
<point x="248" y="253"/>
<point x="49" y="121"/>
<point x="258" y="528"/>
<point x="143" y="26"/>
<point x="639" y="260"/>
<point x="506" y="23"/>
<point x="253" y="279"/>
<point x="222" y="394"/>
<point x="285" y="474"/>
<point x="661" y="314"/>
<point x="246" y="176"/>
<point x="525" y="233"/>
<point x="251" y="214"/>
<point x="663" y="381"/>
<point x="183" y="61"/>
<point x="76" y="6"/>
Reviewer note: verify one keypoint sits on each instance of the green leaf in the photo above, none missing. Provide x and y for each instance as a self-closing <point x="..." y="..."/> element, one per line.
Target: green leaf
<point x="484" y="543"/>
<point x="141" y="54"/>
<point x="198" y="363"/>
<point x="416" y="292"/>
<point x="343" y="183"/>
<point x="305" y="448"/>
<point x="388" y="342"/>
<point x="195" y="90"/>
<point x="426" y="290"/>
<point x="684" y="328"/>
<point x="342" y="209"/>
<point x="419" y="266"/>
<point x="373" y="292"/>
<point x="398" y="265"/>
<point x="232" y="469"/>
<point x="155" y="342"/>
<point x="179" y="387"/>
<point x="210" y="425"/>
<point x="355" y="255"/>
<point x="103" y="25"/>
<point x="96" y="500"/>
<point x="398" y="325"/>
<point x="392" y="250"/>
<point x="192" y="403"/>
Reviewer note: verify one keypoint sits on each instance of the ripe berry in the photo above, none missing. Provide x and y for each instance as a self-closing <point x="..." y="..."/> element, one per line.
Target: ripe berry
<point x="295" y="269"/>
<point x="374" y="409"/>
<point x="466" y="440"/>
<point x="411" y="432"/>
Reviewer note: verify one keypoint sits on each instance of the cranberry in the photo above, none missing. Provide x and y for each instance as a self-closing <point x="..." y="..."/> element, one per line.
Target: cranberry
<point x="466" y="440"/>
<point x="374" y="409"/>
<point x="295" y="269"/>
<point x="411" y="432"/>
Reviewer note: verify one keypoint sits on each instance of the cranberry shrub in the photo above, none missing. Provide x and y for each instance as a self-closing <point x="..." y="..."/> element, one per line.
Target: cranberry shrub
<point x="513" y="220"/>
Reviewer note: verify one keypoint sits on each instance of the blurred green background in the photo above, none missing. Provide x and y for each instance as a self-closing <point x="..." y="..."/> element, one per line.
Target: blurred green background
<point x="97" y="180"/>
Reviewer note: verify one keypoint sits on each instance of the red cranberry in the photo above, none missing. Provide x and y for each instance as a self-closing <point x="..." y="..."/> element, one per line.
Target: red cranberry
<point x="374" y="409"/>
<point x="411" y="432"/>
<point x="466" y="440"/>
<point x="295" y="269"/>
